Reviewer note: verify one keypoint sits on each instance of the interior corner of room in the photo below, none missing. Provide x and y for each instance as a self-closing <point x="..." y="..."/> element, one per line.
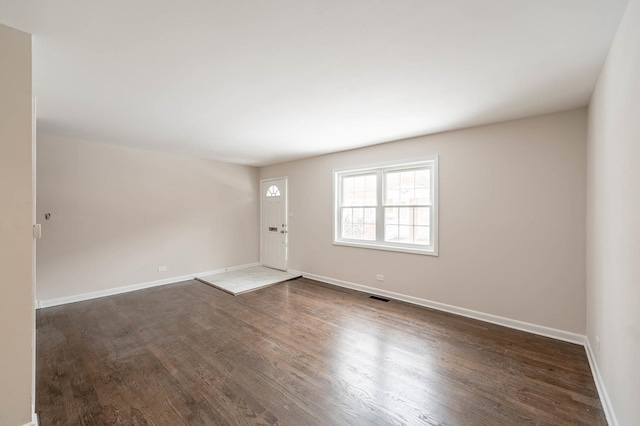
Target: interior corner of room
<point x="537" y="226"/>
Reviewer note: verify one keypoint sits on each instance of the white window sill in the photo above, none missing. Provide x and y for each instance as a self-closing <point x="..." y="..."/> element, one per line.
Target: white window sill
<point x="378" y="246"/>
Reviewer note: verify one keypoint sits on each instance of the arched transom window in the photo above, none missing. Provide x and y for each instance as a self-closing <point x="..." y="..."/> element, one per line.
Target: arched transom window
<point x="273" y="191"/>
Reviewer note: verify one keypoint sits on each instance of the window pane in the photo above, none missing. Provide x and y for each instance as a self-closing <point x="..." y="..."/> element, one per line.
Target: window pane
<point x="370" y="215"/>
<point x="407" y="196"/>
<point x="347" y="198"/>
<point x="359" y="223"/>
<point x="405" y="234"/>
<point x="359" y="190"/>
<point x="347" y="230"/>
<point x="407" y="179"/>
<point x="422" y="196"/>
<point x="421" y="216"/>
<point x="391" y="215"/>
<point x="407" y="225"/>
<point x="358" y="231"/>
<point x="392" y="186"/>
<point x="406" y="216"/>
<point x="273" y="191"/>
<point x="358" y="215"/>
<point x="369" y="232"/>
<point x="421" y="235"/>
<point x="391" y="220"/>
<point x="391" y="233"/>
<point x="422" y="178"/>
<point x="347" y="215"/>
<point x="371" y="183"/>
<point x="407" y="187"/>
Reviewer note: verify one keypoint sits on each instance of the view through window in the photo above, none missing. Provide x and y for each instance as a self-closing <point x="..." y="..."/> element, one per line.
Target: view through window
<point x="392" y="207"/>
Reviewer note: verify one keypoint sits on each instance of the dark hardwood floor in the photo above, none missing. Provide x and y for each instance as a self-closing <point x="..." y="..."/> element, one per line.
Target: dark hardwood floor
<point x="298" y="353"/>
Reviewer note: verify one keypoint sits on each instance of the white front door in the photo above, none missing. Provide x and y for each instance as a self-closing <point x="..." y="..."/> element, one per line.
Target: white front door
<point x="273" y="232"/>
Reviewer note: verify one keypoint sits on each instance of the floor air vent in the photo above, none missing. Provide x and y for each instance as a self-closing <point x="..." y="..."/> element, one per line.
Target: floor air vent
<point x="382" y="299"/>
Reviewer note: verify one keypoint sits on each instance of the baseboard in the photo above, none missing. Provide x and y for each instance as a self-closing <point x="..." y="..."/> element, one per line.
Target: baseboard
<point x="140" y="286"/>
<point x="602" y="391"/>
<point x="34" y="420"/>
<point x="494" y="319"/>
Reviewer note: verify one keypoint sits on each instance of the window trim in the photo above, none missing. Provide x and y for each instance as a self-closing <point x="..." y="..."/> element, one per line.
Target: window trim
<point x="380" y="168"/>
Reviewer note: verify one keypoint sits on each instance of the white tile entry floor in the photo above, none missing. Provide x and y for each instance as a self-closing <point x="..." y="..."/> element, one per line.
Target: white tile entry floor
<point x="247" y="279"/>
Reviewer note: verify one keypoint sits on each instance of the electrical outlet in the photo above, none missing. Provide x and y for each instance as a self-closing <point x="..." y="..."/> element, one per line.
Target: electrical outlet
<point x="162" y="268"/>
<point x="597" y="343"/>
<point x="380" y="277"/>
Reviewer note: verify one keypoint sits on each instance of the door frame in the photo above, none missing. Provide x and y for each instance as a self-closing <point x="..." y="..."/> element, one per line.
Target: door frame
<point x="286" y="215"/>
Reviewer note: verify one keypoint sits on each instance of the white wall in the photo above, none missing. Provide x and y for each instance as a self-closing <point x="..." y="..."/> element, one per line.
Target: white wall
<point x="613" y="220"/>
<point x="512" y="221"/>
<point x="16" y="238"/>
<point x="117" y="214"/>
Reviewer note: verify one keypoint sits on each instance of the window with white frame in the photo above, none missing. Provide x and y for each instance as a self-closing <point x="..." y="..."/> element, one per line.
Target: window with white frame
<point x="392" y="207"/>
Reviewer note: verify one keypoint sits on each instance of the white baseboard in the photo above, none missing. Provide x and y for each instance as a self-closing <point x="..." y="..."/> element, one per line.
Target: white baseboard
<point x="125" y="289"/>
<point x="494" y="319"/>
<point x="34" y="420"/>
<point x="602" y="391"/>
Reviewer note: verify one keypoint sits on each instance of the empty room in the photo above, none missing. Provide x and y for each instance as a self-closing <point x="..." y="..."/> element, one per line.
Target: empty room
<point x="320" y="213"/>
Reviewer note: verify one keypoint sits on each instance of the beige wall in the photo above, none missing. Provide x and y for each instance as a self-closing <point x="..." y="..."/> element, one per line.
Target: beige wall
<point x="16" y="238"/>
<point x="613" y="225"/>
<point x="120" y="213"/>
<point x="512" y="221"/>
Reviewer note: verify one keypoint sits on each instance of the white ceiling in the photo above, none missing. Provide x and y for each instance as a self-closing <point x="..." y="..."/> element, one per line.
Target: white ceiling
<point x="258" y="82"/>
